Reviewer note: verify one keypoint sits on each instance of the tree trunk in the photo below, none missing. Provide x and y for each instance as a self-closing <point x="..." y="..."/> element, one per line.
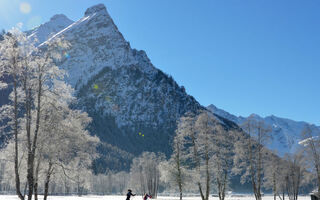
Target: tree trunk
<point x="36" y="180"/>
<point x="179" y="179"/>
<point x="25" y="189"/>
<point x="35" y="191"/>
<point x="208" y="176"/>
<point x="30" y="175"/>
<point x="224" y="186"/>
<point x="200" y="189"/>
<point x="142" y="181"/>
<point x="30" y="159"/>
<point x="16" y="161"/>
<point x="259" y="165"/>
<point x="197" y="162"/>
<point x="32" y="148"/>
<point x="219" y="188"/>
<point x="316" y="158"/>
<point x="298" y="183"/>
<point x="316" y="162"/>
<point x="252" y="174"/>
<point x="318" y="173"/>
<point x="255" y="184"/>
<point x="274" y="186"/>
<point x="47" y="181"/>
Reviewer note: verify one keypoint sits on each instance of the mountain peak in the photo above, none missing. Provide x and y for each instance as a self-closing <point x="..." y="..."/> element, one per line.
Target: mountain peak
<point x="59" y="17"/>
<point x="95" y="9"/>
<point x="255" y="116"/>
<point x="222" y="113"/>
<point x="44" y="31"/>
<point x="212" y="106"/>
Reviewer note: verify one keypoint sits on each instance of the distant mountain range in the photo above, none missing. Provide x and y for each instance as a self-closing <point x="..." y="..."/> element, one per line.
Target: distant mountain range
<point x="286" y="133"/>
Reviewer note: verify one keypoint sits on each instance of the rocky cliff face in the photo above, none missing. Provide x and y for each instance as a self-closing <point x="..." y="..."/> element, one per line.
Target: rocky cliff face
<point x="134" y="105"/>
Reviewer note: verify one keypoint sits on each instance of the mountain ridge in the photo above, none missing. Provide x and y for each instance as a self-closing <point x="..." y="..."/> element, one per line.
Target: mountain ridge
<point x="286" y="133"/>
<point x="44" y="31"/>
<point x="223" y="112"/>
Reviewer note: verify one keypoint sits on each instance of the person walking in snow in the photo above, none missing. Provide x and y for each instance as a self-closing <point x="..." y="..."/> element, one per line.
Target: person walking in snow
<point x="129" y="194"/>
<point x="146" y="196"/>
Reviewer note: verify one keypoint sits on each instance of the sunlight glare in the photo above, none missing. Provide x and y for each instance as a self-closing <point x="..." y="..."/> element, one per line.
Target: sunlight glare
<point x="25" y="7"/>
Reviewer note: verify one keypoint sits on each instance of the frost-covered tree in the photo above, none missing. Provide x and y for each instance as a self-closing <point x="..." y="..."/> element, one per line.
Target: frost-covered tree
<point x="174" y="173"/>
<point x="50" y="131"/>
<point x="311" y="147"/>
<point x="294" y="175"/>
<point x="222" y="158"/>
<point x="100" y="183"/>
<point x="286" y="175"/>
<point x="178" y="176"/>
<point x="137" y="177"/>
<point x="64" y="140"/>
<point x="203" y="146"/>
<point x="145" y="173"/>
<point x="198" y="135"/>
<point x="274" y="175"/>
<point x="7" y="155"/>
<point x="12" y="56"/>
<point x="201" y="152"/>
<point x="251" y="154"/>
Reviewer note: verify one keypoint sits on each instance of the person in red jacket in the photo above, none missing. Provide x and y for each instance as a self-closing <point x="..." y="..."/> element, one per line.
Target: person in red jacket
<point x="146" y="196"/>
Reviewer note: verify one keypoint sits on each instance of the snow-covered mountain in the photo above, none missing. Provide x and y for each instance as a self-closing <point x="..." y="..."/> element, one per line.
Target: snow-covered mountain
<point x="286" y="133"/>
<point x="44" y="31"/>
<point x="133" y="104"/>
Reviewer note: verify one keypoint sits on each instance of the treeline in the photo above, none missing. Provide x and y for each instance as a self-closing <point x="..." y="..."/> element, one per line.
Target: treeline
<point x="147" y="175"/>
<point x="206" y="156"/>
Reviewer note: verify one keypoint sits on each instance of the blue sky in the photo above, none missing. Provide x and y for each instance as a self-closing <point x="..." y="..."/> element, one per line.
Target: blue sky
<point x="244" y="56"/>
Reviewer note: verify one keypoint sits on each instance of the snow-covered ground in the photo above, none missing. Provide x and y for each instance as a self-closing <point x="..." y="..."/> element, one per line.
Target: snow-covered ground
<point x="11" y="197"/>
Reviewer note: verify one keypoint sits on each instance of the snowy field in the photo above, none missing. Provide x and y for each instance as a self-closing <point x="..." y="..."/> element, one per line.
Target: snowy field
<point x="11" y="197"/>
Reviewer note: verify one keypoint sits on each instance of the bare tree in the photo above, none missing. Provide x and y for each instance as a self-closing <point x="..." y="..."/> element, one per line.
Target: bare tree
<point x="250" y="154"/>
<point x="197" y="134"/>
<point x="294" y="174"/>
<point x="63" y="140"/>
<point x="222" y="158"/>
<point x="40" y="111"/>
<point x="274" y="175"/>
<point x="147" y="168"/>
<point x="32" y="70"/>
<point x="311" y="147"/>
<point x="174" y="172"/>
<point x="137" y="177"/>
<point x="177" y="162"/>
<point x="175" y="167"/>
<point x="10" y="66"/>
